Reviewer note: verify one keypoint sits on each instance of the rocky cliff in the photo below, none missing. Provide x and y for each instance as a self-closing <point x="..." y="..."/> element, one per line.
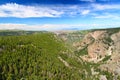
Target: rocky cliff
<point x="113" y="64"/>
<point x="98" y="48"/>
<point x="103" y="46"/>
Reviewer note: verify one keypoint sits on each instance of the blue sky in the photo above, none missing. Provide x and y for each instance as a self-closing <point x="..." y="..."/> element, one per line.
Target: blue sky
<point x="59" y="14"/>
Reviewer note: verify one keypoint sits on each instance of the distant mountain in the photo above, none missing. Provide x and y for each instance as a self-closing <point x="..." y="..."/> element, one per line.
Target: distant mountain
<point x="18" y="32"/>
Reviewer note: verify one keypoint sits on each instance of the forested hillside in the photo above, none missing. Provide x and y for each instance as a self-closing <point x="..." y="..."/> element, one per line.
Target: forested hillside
<point x="18" y="32"/>
<point x="38" y="57"/>
<point x="31" y="57"/>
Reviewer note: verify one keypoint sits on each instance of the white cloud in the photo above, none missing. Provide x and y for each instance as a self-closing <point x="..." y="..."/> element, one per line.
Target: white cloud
<point x="105" y="11"/>
<point x="85" y="12"/>
<point x="107" y="15"/>
<point x="26" y="11"/>
<point x="105" y="6"/>
<point x="53" y="27"/>
<point x="88" y="0"/>
<point x="35" y="27"/>
<point x="12" y="26"/>
<point x="104" y="0"/>
<point x="22" y="11"/>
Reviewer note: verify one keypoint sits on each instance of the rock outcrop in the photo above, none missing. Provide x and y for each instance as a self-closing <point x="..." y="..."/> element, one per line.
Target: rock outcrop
<point x="113" y="65"/>
<point x="98" y="45"/>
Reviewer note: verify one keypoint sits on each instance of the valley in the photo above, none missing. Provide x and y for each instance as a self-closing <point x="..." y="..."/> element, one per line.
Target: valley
<point x="60" y="55"/>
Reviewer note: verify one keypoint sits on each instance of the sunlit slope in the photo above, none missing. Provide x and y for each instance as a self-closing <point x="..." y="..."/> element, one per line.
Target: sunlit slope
<point x="31" y="57"/>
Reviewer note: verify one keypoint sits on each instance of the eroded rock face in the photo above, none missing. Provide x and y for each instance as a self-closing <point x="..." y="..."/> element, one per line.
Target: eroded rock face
<point x="113" y="65"/>
<point x="104" y="45"/>
<point x="102" y="77"/>
<point x="99" y="44"/>
<point x="96" y="44"/>
<point x="98" y="48"/>
<point x="88" y="39"/>
<point x="116" y="39"/>
<point x="98" y="34"/>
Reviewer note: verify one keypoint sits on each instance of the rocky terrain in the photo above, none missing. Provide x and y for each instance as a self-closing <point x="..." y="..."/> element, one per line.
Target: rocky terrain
<point x="113" y="64"/>
<point x="100" y="47"/>
<point x="97" y="45"/>
<point x="62" y="55"/>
